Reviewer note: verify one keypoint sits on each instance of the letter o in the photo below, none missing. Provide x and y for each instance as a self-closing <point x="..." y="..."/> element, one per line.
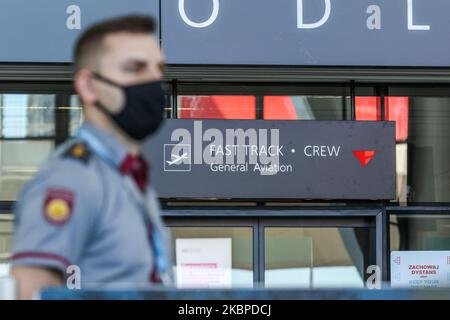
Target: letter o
<point x="207" y="23"/>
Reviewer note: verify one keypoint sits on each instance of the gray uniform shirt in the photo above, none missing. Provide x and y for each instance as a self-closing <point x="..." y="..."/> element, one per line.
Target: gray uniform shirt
<point x="80" y="210"/>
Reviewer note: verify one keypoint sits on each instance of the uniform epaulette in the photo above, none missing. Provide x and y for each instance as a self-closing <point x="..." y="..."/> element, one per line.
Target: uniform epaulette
<point x="78" y="151"/>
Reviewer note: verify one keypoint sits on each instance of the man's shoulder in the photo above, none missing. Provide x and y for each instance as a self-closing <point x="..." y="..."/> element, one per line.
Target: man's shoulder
<point x="74" y="151"/>
<point x="74" y="154"/>
<point x="72" y="163"/>
<point x="78" y="152"/>
<point x="69" y="172"/>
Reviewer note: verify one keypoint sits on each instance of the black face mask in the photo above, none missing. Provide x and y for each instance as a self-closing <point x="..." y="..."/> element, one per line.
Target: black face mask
<point x="143" y="111"/>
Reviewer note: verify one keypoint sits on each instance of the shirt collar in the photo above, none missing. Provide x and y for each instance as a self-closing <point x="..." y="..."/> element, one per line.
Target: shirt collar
<point x="116" y="150"/>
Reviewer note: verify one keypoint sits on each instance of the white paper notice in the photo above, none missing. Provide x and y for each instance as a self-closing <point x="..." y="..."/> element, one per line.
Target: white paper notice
<point x="420" y="269"/>
<point x="203" y="263"/>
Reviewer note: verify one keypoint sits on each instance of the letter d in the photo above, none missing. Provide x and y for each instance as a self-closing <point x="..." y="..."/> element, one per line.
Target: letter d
<point x="315" y="25"/>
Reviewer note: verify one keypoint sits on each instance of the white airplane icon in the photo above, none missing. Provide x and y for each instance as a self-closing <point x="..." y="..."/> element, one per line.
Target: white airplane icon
<point x="177" y="158"/>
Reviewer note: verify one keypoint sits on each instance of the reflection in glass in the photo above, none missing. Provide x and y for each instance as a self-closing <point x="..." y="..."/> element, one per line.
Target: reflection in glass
<point x="317" y="257"/>
<point x="401" y="158"/>
<point x="6" y="232"/>
<point x="422" y="151"/>
<point x="4" y="268"/>
<point x="420" y="232"/>
<point x="19" y="161"/>
<point x="428" y="150"/>
<point x="76" y="114"/>
<point x="368" y="108"/>
<point x="217" y="107"/>
<point x="306" y="107"/>
<point x="27" y="115"/>
<point x="241" y="255"/>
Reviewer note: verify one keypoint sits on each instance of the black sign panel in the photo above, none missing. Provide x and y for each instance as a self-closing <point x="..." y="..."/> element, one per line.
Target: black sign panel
<point x="307" y="32"/>
<point x="257" y="159"/>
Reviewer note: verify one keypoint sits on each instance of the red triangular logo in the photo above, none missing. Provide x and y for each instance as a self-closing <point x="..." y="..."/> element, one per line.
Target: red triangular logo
<point x="364" y="156"/>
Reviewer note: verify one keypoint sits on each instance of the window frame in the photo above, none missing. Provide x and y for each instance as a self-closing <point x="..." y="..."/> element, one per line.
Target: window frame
<point x="261" y="217"/>
<point x="258" y="214"/>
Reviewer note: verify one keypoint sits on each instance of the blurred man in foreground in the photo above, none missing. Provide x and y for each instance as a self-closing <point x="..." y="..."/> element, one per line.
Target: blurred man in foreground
<point x="92" y="205"/>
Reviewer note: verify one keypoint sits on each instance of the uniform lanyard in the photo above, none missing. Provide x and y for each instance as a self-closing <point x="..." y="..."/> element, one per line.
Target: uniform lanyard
<point x="156" y="242"/>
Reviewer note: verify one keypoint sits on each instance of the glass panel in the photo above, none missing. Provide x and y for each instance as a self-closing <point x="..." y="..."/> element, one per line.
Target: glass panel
<point x="27" y="115"/>
<point x="4" y="268"/>
<point x="168" y="108"/>
<point x="368" y="108"/>
<point x="6" y="233"/>
<point x="217" y="107"/>
<point x="19" y="161"/>
<point x="201" y="262"/>
<point x="422" y="232"/>
<point x="317" y="257"/>
<point x="401" y="159"/>
<point x="423" y="159"/>
<point x="76" y="114"/>
<point x="306" y="107"/>
<point x="397" y="109"/>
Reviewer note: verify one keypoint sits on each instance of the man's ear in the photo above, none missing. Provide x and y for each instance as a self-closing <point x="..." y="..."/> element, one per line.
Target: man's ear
<point x="84" y="87"/>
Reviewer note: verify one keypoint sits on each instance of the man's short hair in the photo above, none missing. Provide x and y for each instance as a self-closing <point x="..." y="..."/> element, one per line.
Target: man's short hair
<point x="90" y="43"/>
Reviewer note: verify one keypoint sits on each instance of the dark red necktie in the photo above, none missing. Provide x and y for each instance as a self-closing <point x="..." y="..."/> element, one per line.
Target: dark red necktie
<point x="137" y="167"/>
